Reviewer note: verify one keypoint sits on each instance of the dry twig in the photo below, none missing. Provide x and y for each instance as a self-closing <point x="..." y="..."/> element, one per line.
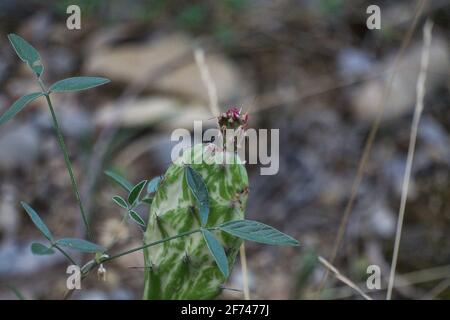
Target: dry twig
<point x="342" y="278"/>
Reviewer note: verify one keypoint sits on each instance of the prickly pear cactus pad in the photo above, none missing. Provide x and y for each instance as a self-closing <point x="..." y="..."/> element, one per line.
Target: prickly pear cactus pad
<point x="183" y="268"/>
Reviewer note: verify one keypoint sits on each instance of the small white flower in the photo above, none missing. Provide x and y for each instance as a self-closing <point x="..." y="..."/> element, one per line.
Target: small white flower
<point x="101" y="273"/>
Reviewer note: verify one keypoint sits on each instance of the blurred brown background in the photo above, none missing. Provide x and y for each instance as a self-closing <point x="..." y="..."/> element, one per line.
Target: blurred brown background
<point x="309" y="68"/>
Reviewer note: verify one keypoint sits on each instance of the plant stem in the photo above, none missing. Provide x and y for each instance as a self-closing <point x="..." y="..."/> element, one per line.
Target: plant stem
<point x="67" y="161"/>
<point x="65" y="254"/>
<point x="93" y="265"/>
<point x="183" y="234"/>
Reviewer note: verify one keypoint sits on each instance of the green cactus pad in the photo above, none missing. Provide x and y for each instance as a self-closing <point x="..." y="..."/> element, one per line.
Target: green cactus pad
<point x="184" y="268"/>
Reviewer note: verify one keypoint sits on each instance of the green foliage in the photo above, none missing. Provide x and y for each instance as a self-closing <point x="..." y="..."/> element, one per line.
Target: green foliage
<point x="219" y="193"/>
<point x="40" y="249"/>
<point x="80" y="245"/>
<point x="27" y="53"/>
<point x="120" y="202"/>
<point x="137" y="218"/>
<point x="136" y="192"/>
<point x="200" y="192"/>
<point x="31" y="57"/>
<point x="19" y="105"/>
<point x="152" y="186"/>
<point x="73" y="243"/>
<point x="16" y="292"/>
<point x="77" y="84"/>
<point x="42" y="227"/>
<point x="121" y="181"/>
<point x="217" y="252"/>
<point x="257" y="232"/>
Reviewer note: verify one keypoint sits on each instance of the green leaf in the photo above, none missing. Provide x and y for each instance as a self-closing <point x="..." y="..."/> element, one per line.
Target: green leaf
<point x="80" y="245"/>
<point x="18" y="106"/>
<point x="37" y="221"/>
<point x="258" y="232"/>
<point x="137" y="218"/>
<point x="153" y="184"/>
<point x="136" y="191"/>
<point x="147" y="200"/>
<point x="27" y="53"/>
<point x="124" y="183"/>
<point x="41" y="250"/>
<point x="120" y="202"/>
<point x="77" y="84"/>
<point x="16" y="291"/>
<point x="217" y="251"/>
<point x="200" y="192"/>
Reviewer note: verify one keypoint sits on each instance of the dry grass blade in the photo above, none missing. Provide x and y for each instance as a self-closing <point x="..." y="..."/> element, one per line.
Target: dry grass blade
<point x="207" y="81"/>
<point x="244" y="272"/>
<point x="412" y="143"/>
<point x="368" y="146"/>
<point x="403" y="281"/>
<point x="342" y="278"/>
<point x="437" y="290"/>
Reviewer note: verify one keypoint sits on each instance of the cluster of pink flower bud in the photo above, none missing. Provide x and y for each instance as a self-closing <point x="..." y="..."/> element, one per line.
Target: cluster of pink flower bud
<point x="233" y="118"/>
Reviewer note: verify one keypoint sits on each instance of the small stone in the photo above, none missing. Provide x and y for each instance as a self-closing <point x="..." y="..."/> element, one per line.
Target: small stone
<point x="353" y="62"/>
<point x="366" y="99"/>
<point x="382" y="220"/>
<point x="132" y="61"/>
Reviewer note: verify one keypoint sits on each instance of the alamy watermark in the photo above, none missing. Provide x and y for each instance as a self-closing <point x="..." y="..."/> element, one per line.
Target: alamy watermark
<point x="73" y="281"/>
<point x="249" y="146"/>
<point x="73" y="22"/>
<point x="373" y="282"/>
<point x="374" y="20"/>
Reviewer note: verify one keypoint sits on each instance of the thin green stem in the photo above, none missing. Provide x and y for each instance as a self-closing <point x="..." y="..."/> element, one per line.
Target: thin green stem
<point x="67" y="160"/>
<point x="65" y="254"/>
<point x="91" y="266"/>
<point x="41" y="84"/>
<point x="183" y="234"/>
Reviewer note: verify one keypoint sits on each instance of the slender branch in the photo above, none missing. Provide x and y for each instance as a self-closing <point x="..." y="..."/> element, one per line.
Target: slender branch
<point x="66" y="160"/>
<point x="65" y="254"/>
